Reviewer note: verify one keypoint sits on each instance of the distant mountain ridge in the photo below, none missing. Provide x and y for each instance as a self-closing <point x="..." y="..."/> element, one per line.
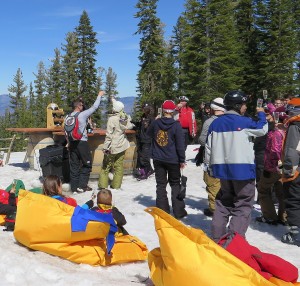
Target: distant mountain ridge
<point x="127" y="101"/>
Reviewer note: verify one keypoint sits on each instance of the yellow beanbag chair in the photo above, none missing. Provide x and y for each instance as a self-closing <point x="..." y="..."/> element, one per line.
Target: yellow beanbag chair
<point x="188" y="257"/>
<point x="44" y="223"/>
<point x="2" y="219"/>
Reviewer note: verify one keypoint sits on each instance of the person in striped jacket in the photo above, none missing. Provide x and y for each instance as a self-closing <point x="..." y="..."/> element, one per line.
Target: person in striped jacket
<point x="230" y="157"/>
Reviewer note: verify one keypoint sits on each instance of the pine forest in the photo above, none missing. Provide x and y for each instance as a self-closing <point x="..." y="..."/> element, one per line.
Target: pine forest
<point x="216" y="46"/>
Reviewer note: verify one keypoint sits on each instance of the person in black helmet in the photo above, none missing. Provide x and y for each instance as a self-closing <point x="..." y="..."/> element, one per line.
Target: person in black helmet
<point x="230" y="157"/>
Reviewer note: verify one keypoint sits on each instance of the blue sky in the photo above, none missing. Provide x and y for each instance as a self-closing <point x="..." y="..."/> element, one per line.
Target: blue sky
<point x="31" y="30"/>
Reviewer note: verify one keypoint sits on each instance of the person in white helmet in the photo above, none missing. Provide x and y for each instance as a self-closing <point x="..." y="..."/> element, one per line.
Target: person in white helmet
<point x="186" y="117"/>
<point x="212" y="184"/>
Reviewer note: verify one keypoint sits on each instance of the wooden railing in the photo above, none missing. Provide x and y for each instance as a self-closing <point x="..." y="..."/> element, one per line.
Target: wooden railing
<point x="9" y="148"/>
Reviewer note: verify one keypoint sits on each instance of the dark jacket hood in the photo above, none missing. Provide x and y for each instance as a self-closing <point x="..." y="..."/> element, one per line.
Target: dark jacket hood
<point x="165" y="123"/>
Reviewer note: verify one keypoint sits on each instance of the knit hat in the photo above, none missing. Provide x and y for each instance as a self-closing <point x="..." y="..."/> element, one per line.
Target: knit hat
<point x="294" y="101"/>
<point x="104" y="196"/>
<point x="169" y="106"/>
<point x="118" y="106"/>
<point x="217" y="104"/>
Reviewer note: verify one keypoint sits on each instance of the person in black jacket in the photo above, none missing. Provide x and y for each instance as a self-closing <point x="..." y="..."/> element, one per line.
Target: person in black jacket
<point x="144" y="143"/>
<point x="168" y="154"/>
<point x="104" y="205"/>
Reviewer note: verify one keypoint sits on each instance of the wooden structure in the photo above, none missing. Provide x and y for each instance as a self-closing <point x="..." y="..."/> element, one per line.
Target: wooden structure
<point x="55" y="116"/>
<point x="9" y="148"/>
<point x="39" y="138"/>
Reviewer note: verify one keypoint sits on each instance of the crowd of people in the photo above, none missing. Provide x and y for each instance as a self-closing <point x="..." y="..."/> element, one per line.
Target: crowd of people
<point x="244" y="153"/>
<point x="240" y="155"/>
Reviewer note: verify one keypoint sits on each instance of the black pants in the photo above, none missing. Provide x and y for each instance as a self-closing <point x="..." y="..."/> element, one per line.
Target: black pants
<point x="80" y="164"/>
<point x="7" y="209"/>
<point x="144" y="157"/>
<point x="186" y="135"/>
<point x="168" y="173"/>
<point x="292" y="201"/>
<point x="259" y="164"/>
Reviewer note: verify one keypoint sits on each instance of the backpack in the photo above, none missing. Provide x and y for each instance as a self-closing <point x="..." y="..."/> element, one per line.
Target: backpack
<point x="71" y="127"/>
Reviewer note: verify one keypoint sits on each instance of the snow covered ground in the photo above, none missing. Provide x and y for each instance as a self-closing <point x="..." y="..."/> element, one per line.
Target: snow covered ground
<point x="22" y="266"/>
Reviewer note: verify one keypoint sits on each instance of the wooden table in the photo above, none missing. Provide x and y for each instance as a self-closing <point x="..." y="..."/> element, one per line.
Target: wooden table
<point x="39" y="138"/>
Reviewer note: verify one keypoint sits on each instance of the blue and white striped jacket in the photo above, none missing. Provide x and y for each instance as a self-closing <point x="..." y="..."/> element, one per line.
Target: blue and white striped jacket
<point x="229" y="146"/>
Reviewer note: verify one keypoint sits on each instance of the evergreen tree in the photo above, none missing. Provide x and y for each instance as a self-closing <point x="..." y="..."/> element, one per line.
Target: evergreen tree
<point x="55" y="79"/>
<point x="110" y="88"/>
<point x="100" y="75"/>
<point x="225" y="49"/>
<point x="17" y="92"/>
<point x="111" y="83"/>
<point x="31" y="107"/>
<point x="152" y="53"/>
<point x="5" y="122"/>
<point x="190" y="48"/>
<point x="41" y="97"/>
<point x="69" y="70"/>
<point x="281" y="43"/>
<point x="296" y="13"/>
<point x="168" y="84"/>
<point x="87" y="73"/>
<point x="24" y="116"/>
<point x="249" y="37"/>
<point x="98" y="115"/>
<point x="137" y="110"/>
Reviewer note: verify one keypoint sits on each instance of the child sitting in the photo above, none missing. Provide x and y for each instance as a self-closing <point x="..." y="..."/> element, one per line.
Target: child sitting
<point x="52" y="187"/>
<point x="8" y="202"/>
<point x="104" y="205"/>
<point x="8" y="207"/>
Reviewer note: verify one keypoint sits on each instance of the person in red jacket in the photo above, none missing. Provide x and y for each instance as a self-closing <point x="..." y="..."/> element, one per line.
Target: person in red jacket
<point x="7" y="202"/>
<point x="186" y="117"/>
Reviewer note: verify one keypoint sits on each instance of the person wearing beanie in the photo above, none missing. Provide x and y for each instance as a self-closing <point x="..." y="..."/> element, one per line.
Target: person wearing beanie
<point x="118" y="106"/>
<point x="115" y="145"/>
<point x="79" y="150"/>
<point x="104" y="205"/>
<point x="212" y="184"/>
<point x="168" y="154"/>
<point x="290" y="172"/>
<point x="229" y="156"/>
<point x="186" y="117"/>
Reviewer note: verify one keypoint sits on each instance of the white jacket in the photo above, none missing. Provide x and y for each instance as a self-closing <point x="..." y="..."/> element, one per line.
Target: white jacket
<point x="116" y="140"/>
